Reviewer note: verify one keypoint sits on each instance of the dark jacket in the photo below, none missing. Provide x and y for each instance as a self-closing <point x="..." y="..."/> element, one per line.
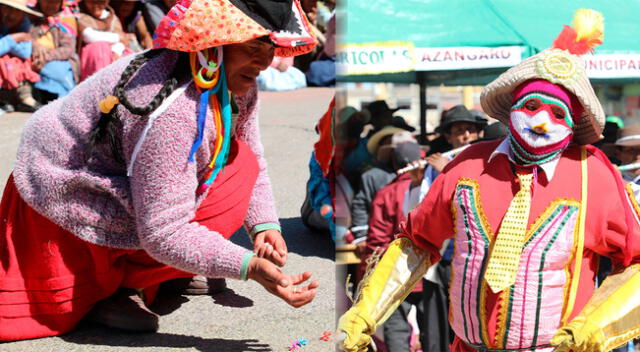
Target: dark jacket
<point x="387" y="212"/>
<point x="371" y="182"/>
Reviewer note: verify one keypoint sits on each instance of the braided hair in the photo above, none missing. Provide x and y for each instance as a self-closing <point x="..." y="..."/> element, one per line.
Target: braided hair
<point x="109" y="123"/>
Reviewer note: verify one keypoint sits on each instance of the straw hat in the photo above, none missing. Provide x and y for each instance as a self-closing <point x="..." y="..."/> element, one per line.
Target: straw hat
<point x="22" y="6"/>
<point x="557" y="66"/>
<point x="629" y="136"/>
<point x="194" y="25"/>
<point x="374" y="141"/>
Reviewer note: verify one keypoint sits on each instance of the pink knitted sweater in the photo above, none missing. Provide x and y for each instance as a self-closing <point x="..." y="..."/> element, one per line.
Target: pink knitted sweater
<point x="152" y="209"/>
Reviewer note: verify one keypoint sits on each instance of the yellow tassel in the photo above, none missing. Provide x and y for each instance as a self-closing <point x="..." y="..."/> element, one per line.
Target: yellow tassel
<point x="589" y="24"/>
<point x="107" y="104"/>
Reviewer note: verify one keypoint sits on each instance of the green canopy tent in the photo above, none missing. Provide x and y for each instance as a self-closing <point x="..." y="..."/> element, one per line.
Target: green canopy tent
<point x="470" y="42"/>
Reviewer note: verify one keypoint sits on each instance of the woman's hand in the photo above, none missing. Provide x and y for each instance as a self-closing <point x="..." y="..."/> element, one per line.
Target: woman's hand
<point x="284" y="286"/>
<point x="124" y="39"/>
<point x="270" y="245"/>
<point x="38" y="55"/>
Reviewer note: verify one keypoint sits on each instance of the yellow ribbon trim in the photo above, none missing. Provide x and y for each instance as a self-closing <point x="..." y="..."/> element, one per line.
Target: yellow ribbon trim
<point x="575" y="279"/>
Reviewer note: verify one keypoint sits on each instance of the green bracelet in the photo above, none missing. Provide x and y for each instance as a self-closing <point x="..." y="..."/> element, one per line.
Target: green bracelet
<point x="265" y="226"/>
<point x="245" y="265"/>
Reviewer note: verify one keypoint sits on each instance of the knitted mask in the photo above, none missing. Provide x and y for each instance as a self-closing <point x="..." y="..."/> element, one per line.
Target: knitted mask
<point x="540" y="121"/>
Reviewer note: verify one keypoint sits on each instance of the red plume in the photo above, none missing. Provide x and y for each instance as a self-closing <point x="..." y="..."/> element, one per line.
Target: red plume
<point x="587" y="33"/>
<point x="566" y="39"/>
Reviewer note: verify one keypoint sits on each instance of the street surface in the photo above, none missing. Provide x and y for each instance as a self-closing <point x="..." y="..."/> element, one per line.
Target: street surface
<point x="245" y="317"/>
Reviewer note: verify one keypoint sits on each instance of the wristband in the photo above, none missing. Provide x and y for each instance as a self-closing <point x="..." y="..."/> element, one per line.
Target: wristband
<point x="245" y="265"/>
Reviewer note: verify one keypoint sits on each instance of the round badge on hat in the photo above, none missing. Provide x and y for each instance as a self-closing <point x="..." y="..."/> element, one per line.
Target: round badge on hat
<point x="558" y="66"/>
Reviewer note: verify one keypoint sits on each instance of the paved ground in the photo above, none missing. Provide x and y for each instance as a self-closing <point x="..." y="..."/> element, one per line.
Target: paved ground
<point x="245" y="317"/>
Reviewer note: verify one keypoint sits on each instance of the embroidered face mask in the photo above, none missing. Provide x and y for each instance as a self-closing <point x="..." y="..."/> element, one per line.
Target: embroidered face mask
<point x="541" y="123"/>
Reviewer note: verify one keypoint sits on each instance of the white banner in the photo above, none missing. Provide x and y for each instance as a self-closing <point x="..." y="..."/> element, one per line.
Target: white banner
<point x="461" y="58"/>
<point x="374" y="58"/>
<point x="612" y="65"/>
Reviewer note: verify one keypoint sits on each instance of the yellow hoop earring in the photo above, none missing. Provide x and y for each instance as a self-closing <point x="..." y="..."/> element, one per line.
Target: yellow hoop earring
<point x="211" y="70"/>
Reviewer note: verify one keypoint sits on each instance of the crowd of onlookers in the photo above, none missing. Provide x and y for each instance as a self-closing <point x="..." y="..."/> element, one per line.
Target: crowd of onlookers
<point x="49" y="46"/>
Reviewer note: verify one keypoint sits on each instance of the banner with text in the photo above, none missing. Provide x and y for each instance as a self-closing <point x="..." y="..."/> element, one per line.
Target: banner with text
<point x="612" y="65"/>
<point x="375" y="58"/>
<point x="463" y="58"/>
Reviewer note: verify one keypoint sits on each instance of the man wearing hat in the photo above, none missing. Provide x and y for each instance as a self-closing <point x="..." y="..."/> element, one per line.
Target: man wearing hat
<point x="381" y="115"/>
<point x="459" y="128"/>
<point x="628" y="151"/>
<point x="529" y="215"/>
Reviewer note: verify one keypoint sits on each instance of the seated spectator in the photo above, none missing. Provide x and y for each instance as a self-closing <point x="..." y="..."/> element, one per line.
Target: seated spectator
<point x="54" y="51"/>
<point x="322" y="71"/>
<point x="325" y="11"/>
<point x="317" y="209"/>
<point x="101" y="36"/>
<point x="16" y="72"/>
<point x="310" y="9"/>
<point x="130" y="14"/>
<point x="281" y="76"/>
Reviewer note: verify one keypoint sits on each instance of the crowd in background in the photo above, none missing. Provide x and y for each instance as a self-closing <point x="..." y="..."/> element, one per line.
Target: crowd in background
<point x="49" y="46"/>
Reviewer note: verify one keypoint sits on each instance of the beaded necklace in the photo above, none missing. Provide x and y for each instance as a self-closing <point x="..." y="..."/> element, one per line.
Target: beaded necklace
<point x="207" y="70"/>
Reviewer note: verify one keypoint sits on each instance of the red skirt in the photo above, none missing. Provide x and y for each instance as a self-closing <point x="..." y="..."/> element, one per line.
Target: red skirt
<point x="49" y="278"/>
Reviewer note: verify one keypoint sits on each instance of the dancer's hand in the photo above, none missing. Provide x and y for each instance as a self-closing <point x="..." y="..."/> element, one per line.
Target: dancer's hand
<point x="355" y="328"/>
<point x="270" y="245"/>
<point x="579" y="336"/>
<point x="279" y="284"/>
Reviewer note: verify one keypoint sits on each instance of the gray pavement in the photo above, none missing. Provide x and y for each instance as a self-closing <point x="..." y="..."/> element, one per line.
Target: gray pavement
<point x="245" y="317"/>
